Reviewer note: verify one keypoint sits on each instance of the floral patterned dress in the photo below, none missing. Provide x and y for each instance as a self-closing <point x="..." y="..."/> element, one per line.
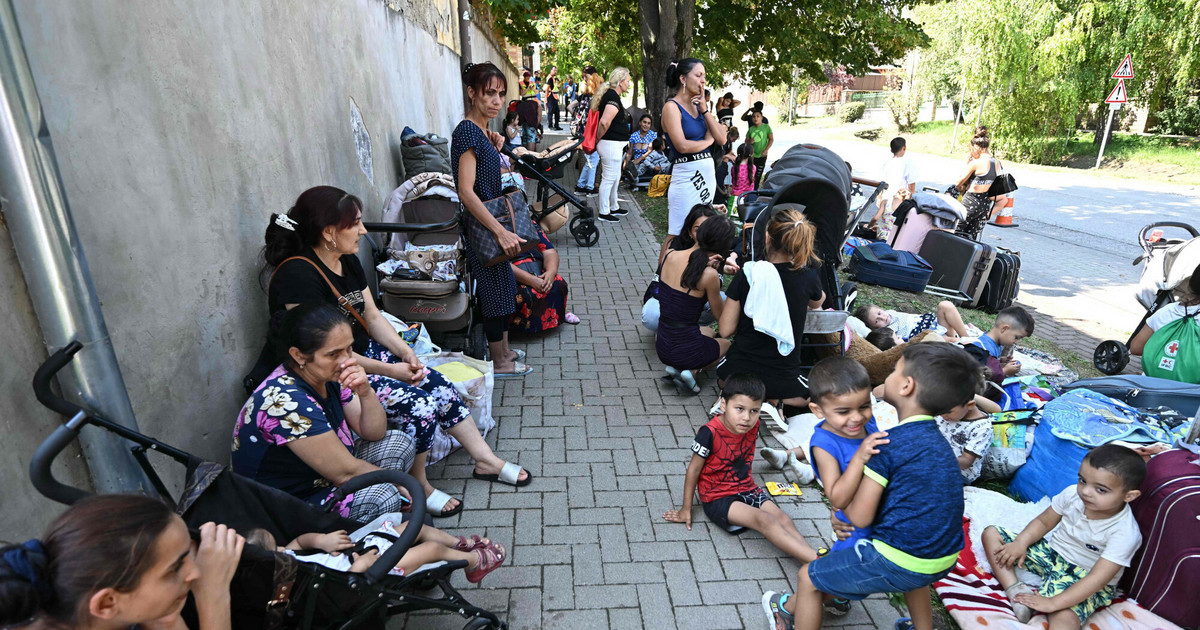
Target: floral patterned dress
<point x="537" y="311"/>
<point x="284" y="409"/>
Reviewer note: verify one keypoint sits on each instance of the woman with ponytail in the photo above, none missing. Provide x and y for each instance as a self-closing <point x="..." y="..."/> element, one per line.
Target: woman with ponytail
<point x="312" y="253"/>
<point x="689" y="280"/>
<point x="613" y="134"/>
<point x="788" y="275"/>
<point x="691" y="129"/>
<point x="117" y="562"/>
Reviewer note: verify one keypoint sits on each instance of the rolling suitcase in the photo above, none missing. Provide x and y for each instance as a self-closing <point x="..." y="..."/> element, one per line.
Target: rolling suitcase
<point x="1165" y="571"/>
<point x="1003" y="281"/>
<point x="960" y="266"/>
<point x="877" y="263"/>
<point x="1141" y="391"/>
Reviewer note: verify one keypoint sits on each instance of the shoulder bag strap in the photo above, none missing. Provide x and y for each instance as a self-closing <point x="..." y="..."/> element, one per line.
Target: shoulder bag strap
<point x="340" y="300"/>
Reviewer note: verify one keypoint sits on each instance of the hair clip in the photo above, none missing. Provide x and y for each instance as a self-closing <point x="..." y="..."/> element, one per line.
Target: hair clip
<point x="285" y="222"/>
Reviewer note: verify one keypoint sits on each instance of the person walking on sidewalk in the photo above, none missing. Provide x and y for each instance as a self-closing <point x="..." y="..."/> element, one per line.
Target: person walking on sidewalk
<point x="691" y="129"/>
<point x="613" y="132"/>
<point x="763" y="138"/>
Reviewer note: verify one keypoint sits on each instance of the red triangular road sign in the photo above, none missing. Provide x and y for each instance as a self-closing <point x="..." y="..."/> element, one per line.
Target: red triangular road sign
<point x="1118" y="93"/>
<point x="1125" y="70"/>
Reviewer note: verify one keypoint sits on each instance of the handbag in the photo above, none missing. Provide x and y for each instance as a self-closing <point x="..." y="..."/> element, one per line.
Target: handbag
<point x="512" y="212"/>
<point x="589" y="132"/>
<point x="1004" y="183"/>
<point x="553" y="221"/>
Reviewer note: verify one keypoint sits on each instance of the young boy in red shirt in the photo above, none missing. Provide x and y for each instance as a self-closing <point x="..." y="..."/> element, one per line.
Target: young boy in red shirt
<point x="722" y="455"/>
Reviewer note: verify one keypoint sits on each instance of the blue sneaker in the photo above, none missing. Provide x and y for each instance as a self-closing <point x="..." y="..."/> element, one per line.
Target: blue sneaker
<point x="777" y="617"/>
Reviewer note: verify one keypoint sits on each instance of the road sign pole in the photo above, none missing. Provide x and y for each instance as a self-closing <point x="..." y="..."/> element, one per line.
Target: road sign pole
<point x="1112" y="109"/>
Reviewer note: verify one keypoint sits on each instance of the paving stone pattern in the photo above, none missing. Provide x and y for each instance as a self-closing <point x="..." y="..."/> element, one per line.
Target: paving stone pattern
<point x="608" y="443"/>
<point x="1075" y="336"/>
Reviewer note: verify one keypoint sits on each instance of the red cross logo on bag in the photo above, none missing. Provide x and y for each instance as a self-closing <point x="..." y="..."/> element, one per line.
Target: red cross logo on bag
<point x="1172" y="348"/>
<point x="1167" y="364"/>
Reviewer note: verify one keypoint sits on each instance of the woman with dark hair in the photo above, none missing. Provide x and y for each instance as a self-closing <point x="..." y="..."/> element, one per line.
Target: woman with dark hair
<point x="541" y="292"/>
<point x="313" y="251"/>
<point x="476" y="165"/>
<point x="725" y="106"/>
<point x="650" y="304"/>
<point x="118" y="561"/>
<point x="980" y="173"/>
<point x="691" y="129"/>
<point x="688" y="281"/>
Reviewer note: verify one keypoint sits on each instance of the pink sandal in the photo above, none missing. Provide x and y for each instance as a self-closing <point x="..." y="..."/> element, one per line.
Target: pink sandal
<point x="571" y="318"/>
<point x="490" y="559"/>
<point x="472" y="543"/>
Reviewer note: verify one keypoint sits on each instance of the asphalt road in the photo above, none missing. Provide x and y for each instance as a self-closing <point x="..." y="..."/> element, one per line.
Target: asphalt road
<point x="1077" y="232"/>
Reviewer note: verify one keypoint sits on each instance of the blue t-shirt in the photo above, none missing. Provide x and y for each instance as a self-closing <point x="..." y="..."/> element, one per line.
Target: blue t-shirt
<point x="842" y="449"/>
<point x="991" y="345"/>
<point x="918" y="524"/>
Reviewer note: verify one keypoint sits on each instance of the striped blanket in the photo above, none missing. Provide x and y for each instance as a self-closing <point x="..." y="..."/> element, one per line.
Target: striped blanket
<point x="974" y="598"/>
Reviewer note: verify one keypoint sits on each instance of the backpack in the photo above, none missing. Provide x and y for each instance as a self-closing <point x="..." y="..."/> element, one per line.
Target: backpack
<point x="1173" y="351"/>
<point x="659" y="185"/>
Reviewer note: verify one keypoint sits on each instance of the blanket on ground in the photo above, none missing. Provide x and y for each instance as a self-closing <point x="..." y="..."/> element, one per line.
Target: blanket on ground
<point x="974" y="598"/>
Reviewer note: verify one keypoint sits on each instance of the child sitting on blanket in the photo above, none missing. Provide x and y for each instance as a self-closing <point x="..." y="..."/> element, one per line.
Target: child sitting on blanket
<point x="432" y="545"/>
<point x="1095" y="537"/>
<point x="843" y="442"/>
<point x="910" y="495"/>
<point x="946" y="321"/>
<point x="1012" y="325"/>
<point x="722" y="456"/>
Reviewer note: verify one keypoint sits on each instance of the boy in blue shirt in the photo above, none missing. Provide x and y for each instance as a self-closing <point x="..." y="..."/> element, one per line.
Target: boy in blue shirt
<point x="1012" y="325"/>
<point x="911" y="497"/>
<point x="843" y="442"/>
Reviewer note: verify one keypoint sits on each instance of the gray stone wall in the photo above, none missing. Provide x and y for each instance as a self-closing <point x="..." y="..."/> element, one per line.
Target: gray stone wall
<point x="179" y="128"/>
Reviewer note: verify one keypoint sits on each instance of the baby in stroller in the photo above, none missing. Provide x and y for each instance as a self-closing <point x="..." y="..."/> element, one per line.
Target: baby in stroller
<point x="357" y="552"/>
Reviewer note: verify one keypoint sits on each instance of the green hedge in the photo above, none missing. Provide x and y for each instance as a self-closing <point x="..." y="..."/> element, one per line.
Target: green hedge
<point x="851" y="112"/>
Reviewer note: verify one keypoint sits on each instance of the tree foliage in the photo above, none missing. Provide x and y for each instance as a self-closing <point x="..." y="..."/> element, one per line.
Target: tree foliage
<point x="1044" y="67"/>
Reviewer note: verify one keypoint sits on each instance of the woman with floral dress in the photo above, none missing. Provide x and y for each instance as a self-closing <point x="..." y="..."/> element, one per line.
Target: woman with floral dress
<point x="313" y="251"/>
<point x="541" y="292"/>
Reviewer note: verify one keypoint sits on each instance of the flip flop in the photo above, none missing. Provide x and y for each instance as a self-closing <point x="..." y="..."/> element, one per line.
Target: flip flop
<point x="520" y="370"/>
<point x="436" y="502"/>
<point x="520" y="355"/>
<point x="509" y="474"/>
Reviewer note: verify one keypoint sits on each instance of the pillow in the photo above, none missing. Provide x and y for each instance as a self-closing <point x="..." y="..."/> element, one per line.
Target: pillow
<point x="858" y="326"/>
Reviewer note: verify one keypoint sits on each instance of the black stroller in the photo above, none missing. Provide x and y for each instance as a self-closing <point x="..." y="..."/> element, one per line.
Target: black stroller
<point x="551" y="196"/>
<point x="817" y="182"/>
<point x="271" y="590"/>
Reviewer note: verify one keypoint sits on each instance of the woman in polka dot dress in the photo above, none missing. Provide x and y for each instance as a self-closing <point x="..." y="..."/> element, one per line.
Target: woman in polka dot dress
<point x="475" y="160"/>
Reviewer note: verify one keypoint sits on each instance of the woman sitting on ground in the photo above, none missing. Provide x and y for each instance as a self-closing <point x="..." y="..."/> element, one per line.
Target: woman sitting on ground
<point x="687" y="239"/>
<point x="753" y="307"/>
<point x="118" y="561"/>
<point x="541" y="292"/>
<point x="688" y="280"/>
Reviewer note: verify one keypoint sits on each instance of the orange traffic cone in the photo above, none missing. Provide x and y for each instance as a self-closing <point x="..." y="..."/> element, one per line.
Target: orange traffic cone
<point x="1006" y="213"/>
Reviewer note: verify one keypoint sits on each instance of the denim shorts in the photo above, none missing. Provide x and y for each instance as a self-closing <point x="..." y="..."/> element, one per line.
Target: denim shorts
<point x="860" y="571"/>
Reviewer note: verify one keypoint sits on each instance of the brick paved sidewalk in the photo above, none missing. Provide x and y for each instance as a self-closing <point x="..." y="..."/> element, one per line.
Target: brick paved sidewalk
<point x="608" y="443"/>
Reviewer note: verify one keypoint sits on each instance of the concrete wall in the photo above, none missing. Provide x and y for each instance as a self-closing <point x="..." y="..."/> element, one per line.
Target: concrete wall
<point x="180" y="126"/>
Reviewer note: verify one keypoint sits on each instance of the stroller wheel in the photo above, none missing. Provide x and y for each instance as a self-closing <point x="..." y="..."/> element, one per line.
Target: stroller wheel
<point x="585" y="232"/>
<point x="1111" y="357"/>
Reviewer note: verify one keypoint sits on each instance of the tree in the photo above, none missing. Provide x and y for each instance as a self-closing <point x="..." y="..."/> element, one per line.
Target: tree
<point x="584" y="33"/>
<point x="666" y="32"/>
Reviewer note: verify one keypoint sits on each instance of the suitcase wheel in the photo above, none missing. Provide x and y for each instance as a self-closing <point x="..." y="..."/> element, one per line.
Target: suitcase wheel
<point x="1111" y="357"/>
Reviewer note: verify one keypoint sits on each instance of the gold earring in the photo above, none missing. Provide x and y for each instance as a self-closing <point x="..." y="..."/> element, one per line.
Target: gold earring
<point x="329" y="246"/>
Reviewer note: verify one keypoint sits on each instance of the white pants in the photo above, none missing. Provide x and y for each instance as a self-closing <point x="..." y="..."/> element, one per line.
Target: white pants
<point x="610" y="172"/>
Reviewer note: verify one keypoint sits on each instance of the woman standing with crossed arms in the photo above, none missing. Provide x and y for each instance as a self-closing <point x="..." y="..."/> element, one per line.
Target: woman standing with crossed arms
<point x="691" y="129"/>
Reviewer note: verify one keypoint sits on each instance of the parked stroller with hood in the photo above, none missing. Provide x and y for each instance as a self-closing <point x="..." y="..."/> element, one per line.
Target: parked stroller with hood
<point x="817" y="182"/>
<point x="269" y="590"/>
<point x="1166" y="262"/>
<point x="549" y="206"/>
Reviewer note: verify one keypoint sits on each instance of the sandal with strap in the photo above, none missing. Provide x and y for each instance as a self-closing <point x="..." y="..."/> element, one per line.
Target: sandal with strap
<point x="472" y="543"/>
<point x="490" y="559"/>
<point x="510" y="474"/>
<point x="436" y="503"/>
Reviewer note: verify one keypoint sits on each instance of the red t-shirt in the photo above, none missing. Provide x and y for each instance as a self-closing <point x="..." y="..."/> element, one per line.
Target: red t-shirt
<point x="727" y="460"/>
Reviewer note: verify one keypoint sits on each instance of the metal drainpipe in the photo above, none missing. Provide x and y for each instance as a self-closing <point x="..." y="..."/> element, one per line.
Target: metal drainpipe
<point x="52" y="261"/>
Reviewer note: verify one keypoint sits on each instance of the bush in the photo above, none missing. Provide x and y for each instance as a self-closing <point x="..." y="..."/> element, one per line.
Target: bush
<point x="904" y="108"/>
<point x="852" y="111"/>
<point x="1183" y="120"/>
<point x="871" y="134"/>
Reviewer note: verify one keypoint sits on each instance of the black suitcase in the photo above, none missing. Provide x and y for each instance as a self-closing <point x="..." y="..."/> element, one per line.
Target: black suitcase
<point x="1145" y="391"/>
<point x="1003" y="282"/>
<point x="960" y="266"/>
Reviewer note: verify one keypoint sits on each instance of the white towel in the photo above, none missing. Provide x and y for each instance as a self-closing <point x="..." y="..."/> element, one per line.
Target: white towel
<point x="767" y="305"/>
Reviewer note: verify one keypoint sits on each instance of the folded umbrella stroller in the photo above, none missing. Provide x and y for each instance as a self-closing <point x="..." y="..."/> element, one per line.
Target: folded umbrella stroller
<point x="269" y="590"/>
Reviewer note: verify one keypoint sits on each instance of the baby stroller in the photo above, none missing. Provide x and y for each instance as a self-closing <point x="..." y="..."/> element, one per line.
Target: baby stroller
<point x="1166" y="262"/>
<point x="551" y="196"/>
<point x="423" y="290"/>
<point x="817" y="182"/>
<point x="270" y="590"/>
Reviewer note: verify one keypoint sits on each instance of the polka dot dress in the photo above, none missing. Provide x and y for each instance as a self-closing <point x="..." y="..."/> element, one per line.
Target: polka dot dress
<point x="496" y="287"/>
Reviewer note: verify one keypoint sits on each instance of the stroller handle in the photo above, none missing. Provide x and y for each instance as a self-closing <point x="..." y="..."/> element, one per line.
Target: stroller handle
<point x="392" y="556"/>
<point x="39" y="466"/>
<point x="411" y="228"/>
<point x="1144" y="235"/>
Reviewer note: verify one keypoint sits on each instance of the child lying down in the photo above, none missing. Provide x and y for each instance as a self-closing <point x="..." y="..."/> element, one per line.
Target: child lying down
<point x="357" y="552"/>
